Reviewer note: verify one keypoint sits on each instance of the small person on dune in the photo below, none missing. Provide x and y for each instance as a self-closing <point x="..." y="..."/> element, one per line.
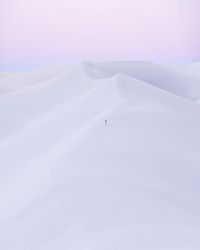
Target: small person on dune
<point x="106" y="122"/>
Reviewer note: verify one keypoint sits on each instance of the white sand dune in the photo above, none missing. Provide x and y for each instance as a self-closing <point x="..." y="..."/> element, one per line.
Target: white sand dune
<point x="170" y="79"/>
<point x="192" y="69"/>
<point x="67" y="181"/>
<point x="17" y="81"/>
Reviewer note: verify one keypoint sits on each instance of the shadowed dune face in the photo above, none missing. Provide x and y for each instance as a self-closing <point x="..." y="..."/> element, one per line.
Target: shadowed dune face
<point x="180" y="80"/>
<point x="100" y="156"/>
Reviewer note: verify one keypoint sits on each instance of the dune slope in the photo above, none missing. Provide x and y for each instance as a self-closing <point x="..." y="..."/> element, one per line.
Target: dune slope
<point x="70" y="181"/>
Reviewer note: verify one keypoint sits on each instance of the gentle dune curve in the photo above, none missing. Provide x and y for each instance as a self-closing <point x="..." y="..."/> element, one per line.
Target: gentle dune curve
<point x="68" y="180"/>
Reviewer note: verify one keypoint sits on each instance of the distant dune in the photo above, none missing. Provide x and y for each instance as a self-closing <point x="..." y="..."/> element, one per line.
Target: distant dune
<point x="3" y="75"/>
<point x="100" y="156"/>
<point x="192" y="69"/>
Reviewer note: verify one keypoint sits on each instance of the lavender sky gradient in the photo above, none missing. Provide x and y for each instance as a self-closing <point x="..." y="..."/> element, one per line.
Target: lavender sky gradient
<point x="41" y="32"/>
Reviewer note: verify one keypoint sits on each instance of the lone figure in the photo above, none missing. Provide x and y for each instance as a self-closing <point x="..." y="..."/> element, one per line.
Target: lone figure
<point x="106" y="122"/>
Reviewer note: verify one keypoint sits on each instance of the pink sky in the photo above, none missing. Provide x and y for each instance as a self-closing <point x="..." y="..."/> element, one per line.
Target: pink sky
<point x="41" y="32"/>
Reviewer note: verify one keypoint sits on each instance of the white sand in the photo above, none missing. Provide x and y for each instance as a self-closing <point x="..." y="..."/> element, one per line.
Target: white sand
<point x="68" y="182"/>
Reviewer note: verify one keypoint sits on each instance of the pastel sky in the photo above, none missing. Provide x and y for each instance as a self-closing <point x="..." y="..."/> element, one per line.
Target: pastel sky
<point x="41" y="32"/>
